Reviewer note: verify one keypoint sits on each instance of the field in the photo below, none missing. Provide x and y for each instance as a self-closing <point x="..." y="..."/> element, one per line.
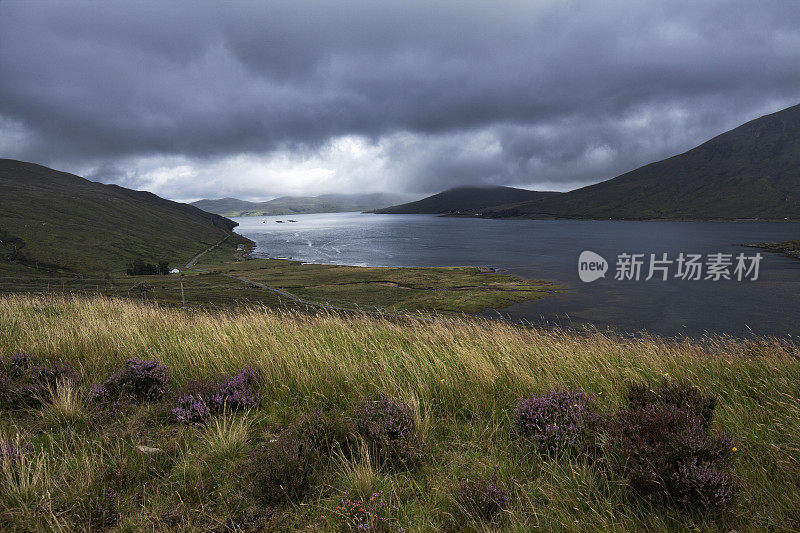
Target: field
<point x="399" y="290"/>
<point x="72" y="461"/>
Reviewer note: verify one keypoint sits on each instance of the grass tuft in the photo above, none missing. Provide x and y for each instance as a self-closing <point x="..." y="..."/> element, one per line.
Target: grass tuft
<point x="65" y="406"/>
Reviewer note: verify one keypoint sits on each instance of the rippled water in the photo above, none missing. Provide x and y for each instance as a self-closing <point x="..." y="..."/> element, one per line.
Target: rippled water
<point x="544" y="249"/>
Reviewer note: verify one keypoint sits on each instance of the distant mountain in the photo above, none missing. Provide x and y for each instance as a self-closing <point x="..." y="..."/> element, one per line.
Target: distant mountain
<point x="59" y="221"/>
<point x="750" y="172"/>
<point x="461" y="199"/>
<point x="294" y="205"/>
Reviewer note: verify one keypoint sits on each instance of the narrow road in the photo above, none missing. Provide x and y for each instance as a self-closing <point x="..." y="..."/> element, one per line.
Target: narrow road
<point x="198" y="256"/>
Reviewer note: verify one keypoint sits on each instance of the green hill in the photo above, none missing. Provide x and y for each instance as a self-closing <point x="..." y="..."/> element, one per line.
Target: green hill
<point x="461" y="199"/>
<point x="58" y="221"/>
<point x="750" y="172"/>
<point x="295" y="205"/>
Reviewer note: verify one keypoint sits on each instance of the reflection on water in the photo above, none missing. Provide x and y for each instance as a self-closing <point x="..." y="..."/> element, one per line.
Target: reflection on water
<point x="545" y="249"/>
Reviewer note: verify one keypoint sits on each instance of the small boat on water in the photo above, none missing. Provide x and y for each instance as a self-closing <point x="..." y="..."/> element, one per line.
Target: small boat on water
<point x="279" y="221"/>
<point x="290" y="220"/>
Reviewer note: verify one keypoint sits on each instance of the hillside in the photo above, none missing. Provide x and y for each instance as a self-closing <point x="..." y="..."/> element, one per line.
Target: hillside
<point x="294" y="205"/>
<point x="58" y="221"/>
<point x="465" y="199"/>
<point x="752" y="171"/>
<point x="335" y="422"/>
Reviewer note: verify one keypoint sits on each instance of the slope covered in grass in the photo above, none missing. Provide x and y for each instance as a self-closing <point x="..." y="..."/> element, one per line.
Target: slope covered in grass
<point x="58" y="221"/>
<point x="76" y="461"/>
<point x="752" y="171"/>
<point x="459" y="199"/>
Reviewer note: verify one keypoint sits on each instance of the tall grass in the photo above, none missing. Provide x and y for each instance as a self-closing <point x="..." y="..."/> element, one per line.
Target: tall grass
<point x="64" y="405"/>
<point x="462" y="381"/>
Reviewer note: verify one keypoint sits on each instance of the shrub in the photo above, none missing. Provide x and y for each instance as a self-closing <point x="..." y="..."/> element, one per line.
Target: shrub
<point x="282" y="471"/>
<point x="51" y="376"/>
<point x="680" y="394"/>
<point x="10" y="392"/>
<point x="327" y="431"/>
<point x="238" y="393"/>
<point x="139" y="268"/>
<point x="696" y="483"/>
<point x="138" y="380"/>
<point x="559" y="421"/>
<point x="668" y="453"/>
<point x="388" y="426"/>
<point x="144" y="380"/>
<point x="204" y="399"/>
<point x="386" y="419"/>
<point x="484" y="497"/>
<point x="192" y="409"/>
<point x="24" y="384"/>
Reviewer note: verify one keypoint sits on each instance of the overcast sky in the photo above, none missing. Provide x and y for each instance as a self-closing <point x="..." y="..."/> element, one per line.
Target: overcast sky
<point x="203" y="100"/>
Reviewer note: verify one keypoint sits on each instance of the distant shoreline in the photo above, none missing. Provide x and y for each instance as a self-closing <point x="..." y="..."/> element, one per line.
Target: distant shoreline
<point x="787" y="248"/>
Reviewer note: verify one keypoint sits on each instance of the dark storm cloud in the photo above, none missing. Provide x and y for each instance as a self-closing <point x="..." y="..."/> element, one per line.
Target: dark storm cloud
<point x="554" y="93"/>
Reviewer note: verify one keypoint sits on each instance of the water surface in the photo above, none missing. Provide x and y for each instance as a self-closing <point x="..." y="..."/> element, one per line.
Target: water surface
<point x="547" y="249"/>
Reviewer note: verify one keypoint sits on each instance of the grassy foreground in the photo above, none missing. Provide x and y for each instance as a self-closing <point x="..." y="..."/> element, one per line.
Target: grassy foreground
<point x="463" y="381"/>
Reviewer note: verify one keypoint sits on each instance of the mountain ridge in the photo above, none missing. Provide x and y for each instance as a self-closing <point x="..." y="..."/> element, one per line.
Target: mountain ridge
<point x="59" y="221"/>
<point x="460" y="199"/>
<point x="749" y="172"/>
<point x="295" y="205"/>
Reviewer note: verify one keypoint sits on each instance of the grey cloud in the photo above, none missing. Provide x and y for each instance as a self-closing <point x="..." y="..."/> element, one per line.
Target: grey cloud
<point x="560" y="92"/>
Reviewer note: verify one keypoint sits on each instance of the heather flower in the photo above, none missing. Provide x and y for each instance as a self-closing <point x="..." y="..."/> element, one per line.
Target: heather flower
<point x="388" y="427"/>
<point x="559" y="421"/>
<point x="386" y="419"/>
<point x="204" y="399"/>
<point x="138" y="380"/>
<point x="24" y="385"/>
<point x="696" y="483"/>
<point x="679" y="394"/>
<point x="192" y="409"/>
<point x="484" y="497"/>
<point x="238" y="393"/>
<point x="667" y="453"/>
<point x="103" y="391"/>
<point x="144" y="380"/>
